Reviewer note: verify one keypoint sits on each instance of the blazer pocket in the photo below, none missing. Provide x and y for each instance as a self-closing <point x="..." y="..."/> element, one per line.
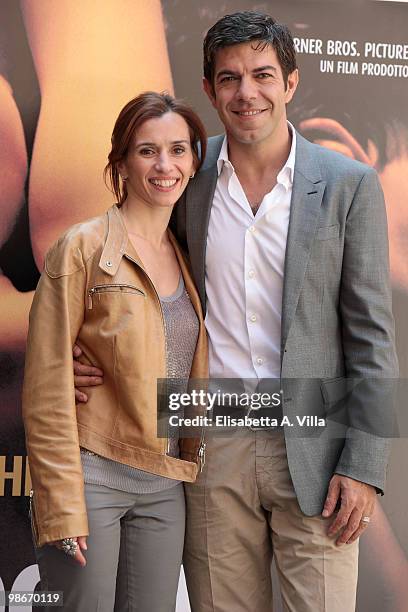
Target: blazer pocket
<point x="334" y="389"/>
<point x="335" y="396"/>
<point x="328" y="231"/>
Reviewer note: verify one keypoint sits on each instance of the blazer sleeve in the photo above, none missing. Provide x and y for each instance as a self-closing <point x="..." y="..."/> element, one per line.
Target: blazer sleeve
<point x="367" y="336"/>
<point x="49" y="410"/>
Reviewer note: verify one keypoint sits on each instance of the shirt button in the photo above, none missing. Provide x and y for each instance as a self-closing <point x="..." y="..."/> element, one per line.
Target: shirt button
<point x="251" y="274"/>
<point x="259" y="361"/>
<point x="252" y="228"/>
<point x="252" y="318"/>
<point x="109" y="263"/>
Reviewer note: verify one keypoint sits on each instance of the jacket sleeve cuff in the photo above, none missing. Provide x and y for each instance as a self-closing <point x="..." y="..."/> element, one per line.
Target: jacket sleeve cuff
<point x="365" y="458"/>
<point x="67" y="527"/>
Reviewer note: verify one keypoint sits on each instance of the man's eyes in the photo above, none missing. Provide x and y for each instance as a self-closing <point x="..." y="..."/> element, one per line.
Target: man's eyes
<point x="260" y="76"/>
<point x="228" y="78"/>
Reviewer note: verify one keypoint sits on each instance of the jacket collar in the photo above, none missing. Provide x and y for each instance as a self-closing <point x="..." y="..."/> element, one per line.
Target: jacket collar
<point x="307" y="196"/>
<point x="116" y="242"/>
<point x="117" y="245"/>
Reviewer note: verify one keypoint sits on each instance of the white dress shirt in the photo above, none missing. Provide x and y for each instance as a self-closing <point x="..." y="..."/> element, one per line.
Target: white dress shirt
<point x="245" y="259"/>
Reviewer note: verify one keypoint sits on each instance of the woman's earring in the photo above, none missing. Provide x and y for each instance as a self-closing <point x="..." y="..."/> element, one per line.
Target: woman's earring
<point x="193" y="175"/>
<point x="124" y="178"/>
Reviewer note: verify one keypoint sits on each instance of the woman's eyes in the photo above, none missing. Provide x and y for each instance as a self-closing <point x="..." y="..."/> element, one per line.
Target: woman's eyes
<point x="178" y="150"/>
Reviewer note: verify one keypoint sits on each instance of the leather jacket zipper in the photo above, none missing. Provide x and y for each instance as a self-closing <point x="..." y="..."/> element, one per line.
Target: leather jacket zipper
<point x="201" y="448"/>
<point x="132" y="289"/>
<point x="167" y="445"/>
<point x="34" y="527"/>
<point x="112" y="287"/>
<point x="201" y="452"/>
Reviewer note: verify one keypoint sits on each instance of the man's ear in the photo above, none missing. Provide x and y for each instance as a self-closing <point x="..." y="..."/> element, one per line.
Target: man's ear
<point x="291" y="85"/>
<point x="209" y="90"/>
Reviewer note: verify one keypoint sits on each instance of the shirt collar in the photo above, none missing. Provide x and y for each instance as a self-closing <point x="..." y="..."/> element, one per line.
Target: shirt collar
<point x="285" y="176"/>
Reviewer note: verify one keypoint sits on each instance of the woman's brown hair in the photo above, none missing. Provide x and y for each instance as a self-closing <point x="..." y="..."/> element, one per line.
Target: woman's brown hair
<point x="149" y="105"/>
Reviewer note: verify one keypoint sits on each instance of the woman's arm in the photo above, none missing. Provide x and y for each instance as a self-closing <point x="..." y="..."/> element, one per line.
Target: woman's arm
<point x="49" y="410"/>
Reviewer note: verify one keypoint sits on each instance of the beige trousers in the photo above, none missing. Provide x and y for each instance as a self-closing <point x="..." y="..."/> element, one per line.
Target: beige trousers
<point x="242" y="512"/>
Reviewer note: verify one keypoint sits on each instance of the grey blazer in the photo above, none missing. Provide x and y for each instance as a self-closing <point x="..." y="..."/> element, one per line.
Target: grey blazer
<point x="337" y="321"/>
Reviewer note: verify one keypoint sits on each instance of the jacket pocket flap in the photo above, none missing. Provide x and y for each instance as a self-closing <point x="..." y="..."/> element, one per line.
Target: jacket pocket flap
<point x="334" y="389"/>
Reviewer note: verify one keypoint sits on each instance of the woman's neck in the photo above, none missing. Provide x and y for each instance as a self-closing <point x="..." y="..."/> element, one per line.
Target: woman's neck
<point x="149" y="224"/>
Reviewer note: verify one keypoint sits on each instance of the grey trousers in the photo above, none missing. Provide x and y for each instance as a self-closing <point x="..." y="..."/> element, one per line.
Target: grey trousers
<point x="134" y="554"/>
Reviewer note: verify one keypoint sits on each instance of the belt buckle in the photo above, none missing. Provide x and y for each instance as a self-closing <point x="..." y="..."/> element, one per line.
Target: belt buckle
<point x="266" y="427"/>
<point x="254" y="427"/>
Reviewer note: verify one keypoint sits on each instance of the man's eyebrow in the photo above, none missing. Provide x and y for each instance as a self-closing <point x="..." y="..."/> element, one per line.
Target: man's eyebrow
<point x="255" y="70"/>
<point x="263" y="68"/>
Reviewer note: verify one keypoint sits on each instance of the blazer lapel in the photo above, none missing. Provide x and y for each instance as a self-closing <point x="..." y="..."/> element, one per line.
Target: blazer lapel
<point x="307" y="195"/>
<point x="199" y="199"/>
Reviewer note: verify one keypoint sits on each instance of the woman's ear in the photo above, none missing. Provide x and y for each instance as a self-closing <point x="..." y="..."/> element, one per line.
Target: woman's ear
<point x="193" y="169"/>
<point x="121" y="166"/>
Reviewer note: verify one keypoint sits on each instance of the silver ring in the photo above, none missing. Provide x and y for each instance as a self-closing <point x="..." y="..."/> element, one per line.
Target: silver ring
<point x="69" y="546"/>
<point x="366" y="519"/>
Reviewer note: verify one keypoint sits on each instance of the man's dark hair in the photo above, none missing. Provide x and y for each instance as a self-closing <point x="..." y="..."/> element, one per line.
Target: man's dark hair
<point x="247" y="26"/>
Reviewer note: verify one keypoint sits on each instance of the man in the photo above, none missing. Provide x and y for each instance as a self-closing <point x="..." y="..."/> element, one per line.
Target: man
<point x="288" y="246"/>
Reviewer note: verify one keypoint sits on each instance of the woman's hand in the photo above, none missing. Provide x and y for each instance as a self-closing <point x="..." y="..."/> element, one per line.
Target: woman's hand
<point x="78" y="557"/>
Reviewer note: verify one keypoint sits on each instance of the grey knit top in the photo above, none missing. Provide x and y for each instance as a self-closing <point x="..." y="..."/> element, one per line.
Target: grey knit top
<point x="181" y="329"/>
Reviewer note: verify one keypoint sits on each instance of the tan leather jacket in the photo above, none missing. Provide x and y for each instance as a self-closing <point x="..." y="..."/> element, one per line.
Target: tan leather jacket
<point x="94" y="289"/>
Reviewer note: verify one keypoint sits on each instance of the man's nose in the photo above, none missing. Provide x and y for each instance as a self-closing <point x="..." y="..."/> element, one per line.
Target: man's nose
<point x="247" y="89"/>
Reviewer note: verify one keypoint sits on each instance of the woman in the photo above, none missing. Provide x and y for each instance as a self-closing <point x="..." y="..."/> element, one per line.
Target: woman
<point x="120" y="284"/>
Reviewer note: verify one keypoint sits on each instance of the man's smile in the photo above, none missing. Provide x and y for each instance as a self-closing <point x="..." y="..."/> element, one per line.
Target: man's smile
<point x="250" y="113"/>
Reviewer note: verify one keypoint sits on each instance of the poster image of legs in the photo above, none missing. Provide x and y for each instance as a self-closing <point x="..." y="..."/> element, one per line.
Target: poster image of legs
<point x="66" y="70"/>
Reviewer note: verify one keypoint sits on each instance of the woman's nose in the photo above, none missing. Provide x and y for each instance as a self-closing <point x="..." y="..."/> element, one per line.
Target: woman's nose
<point x="163" y="163"/>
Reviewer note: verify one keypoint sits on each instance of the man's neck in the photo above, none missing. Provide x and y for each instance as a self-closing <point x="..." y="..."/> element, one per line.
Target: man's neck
<point x="257" y="166"/>
<point x="256" y="159"/>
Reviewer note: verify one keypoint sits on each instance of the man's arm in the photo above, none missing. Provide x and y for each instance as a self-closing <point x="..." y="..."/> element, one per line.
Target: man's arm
<point x="369" y="354"/>
<point x="367" y="334"/>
